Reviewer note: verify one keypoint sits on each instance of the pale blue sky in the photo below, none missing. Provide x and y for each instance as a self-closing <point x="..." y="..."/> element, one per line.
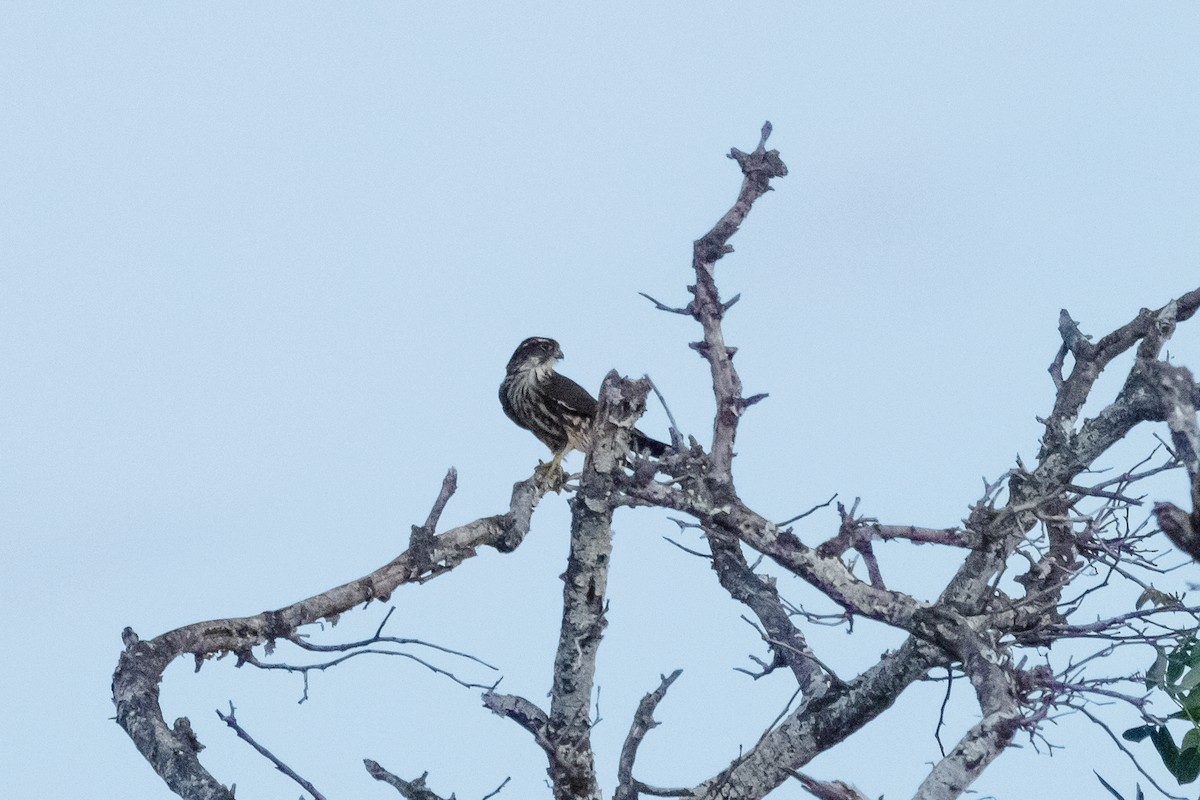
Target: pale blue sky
<point x="240" y="249"/>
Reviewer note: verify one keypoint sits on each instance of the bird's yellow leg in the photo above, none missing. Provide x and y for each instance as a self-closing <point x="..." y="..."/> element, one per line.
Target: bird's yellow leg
<point x="551" y="475"/>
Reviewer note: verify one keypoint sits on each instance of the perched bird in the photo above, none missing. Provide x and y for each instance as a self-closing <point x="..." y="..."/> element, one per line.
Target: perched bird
<point x="556" y="409"/>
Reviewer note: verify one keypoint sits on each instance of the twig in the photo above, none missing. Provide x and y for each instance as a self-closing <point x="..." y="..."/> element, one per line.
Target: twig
<point x="1094" y="492"/>
<point x="377" y="639"/>
<point x="232" y="722"/>
<point x="661" y="307"/>
<point x="1125" y="750"/>
<point x="783" y="713"/>
<point x="688" y="549"/>
<point x="496" y="791"/>
<point x="1130" y="477"/>
<point x="306" y="668"/>
<point x="676" y="435"/>
<point x="812" y="510"/>
<point x="937" y="731"/>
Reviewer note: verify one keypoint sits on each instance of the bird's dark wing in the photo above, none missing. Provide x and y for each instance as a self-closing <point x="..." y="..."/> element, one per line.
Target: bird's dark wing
<point x="569" y="396"/>
<point x="574" y="399"/>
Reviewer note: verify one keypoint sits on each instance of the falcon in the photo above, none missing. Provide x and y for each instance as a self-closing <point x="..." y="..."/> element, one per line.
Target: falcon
<point x="554" y="408"/>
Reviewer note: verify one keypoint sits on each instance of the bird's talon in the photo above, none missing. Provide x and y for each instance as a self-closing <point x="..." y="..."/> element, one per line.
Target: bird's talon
<point x="550" y="476"/>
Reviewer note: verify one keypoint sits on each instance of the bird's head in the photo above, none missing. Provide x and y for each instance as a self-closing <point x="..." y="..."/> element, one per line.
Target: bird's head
<point x="536" y="354"/>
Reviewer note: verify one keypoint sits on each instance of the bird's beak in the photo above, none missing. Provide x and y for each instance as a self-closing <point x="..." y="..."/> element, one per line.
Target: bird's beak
<point x="558" y="352"/>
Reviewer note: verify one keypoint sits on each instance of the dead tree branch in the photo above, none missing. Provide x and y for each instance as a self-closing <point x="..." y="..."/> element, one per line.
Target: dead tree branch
<point x="628" y="788"/>
<point x="410" y="790"/>
<point x="1072" y="536"/>
<point x="572" y="768"/>
<point x="141" y="666"/>
<point x="758" y="168"/>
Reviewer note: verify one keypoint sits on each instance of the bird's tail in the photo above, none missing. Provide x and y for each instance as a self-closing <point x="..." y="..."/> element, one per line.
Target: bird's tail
<point x="647" y="446"/>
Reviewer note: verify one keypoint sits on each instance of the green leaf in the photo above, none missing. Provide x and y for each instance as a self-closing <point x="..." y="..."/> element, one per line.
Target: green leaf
<point x="1175" y="666"/>
<point x="1187" y="767"/>
<point x="1166" y="747"/>
<point x="1191" y="701"/>
<point x="1137" y="734"/>
<point x="1190" y="680"/>
<point x="1191" y="740"/>
<point x="1156" y="675"/>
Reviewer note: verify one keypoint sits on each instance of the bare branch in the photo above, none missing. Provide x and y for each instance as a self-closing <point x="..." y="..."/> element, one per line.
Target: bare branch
<point x="230" y="720"/>
<point x="1000" y="703"/>
<point x="411" y="790"/>
<point x="759" y="594"/>
<point x="661" y="792"/>
<point x="815" y="727"/>
<point x="722" y="511"/>
<point x="497" y="790"/>
<point x="810" y="512"/>
<point x="1091" y="359"/>
<point x="140" y="667"/>
<point x="827" y="790"/>
<point x="643" y="721"/>
<point x="449" y="486"/>
<point x="572" y="765"/>
<point x="1093" y="492"/>
<point x="758" y="168"/>
<point x="676" y="436"/>
<point x="304" y="669"/>
<point x="661" y="307"/>
<point x="952" y="537"/>
<point x="378" y="638"/>
<point x="688" y="550"/>
<point x="937" y="732"/>
<point x="524" y="713"/>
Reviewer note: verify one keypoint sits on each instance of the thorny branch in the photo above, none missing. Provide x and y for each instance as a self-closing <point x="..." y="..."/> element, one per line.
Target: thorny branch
<point x="1036" y="550"/>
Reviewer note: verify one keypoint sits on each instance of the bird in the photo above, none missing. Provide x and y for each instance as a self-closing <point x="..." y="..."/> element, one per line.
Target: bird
<point x="554" y="408"/>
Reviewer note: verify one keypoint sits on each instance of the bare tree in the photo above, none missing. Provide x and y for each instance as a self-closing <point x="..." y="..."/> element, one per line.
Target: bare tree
<point x="1038" y="548"/>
